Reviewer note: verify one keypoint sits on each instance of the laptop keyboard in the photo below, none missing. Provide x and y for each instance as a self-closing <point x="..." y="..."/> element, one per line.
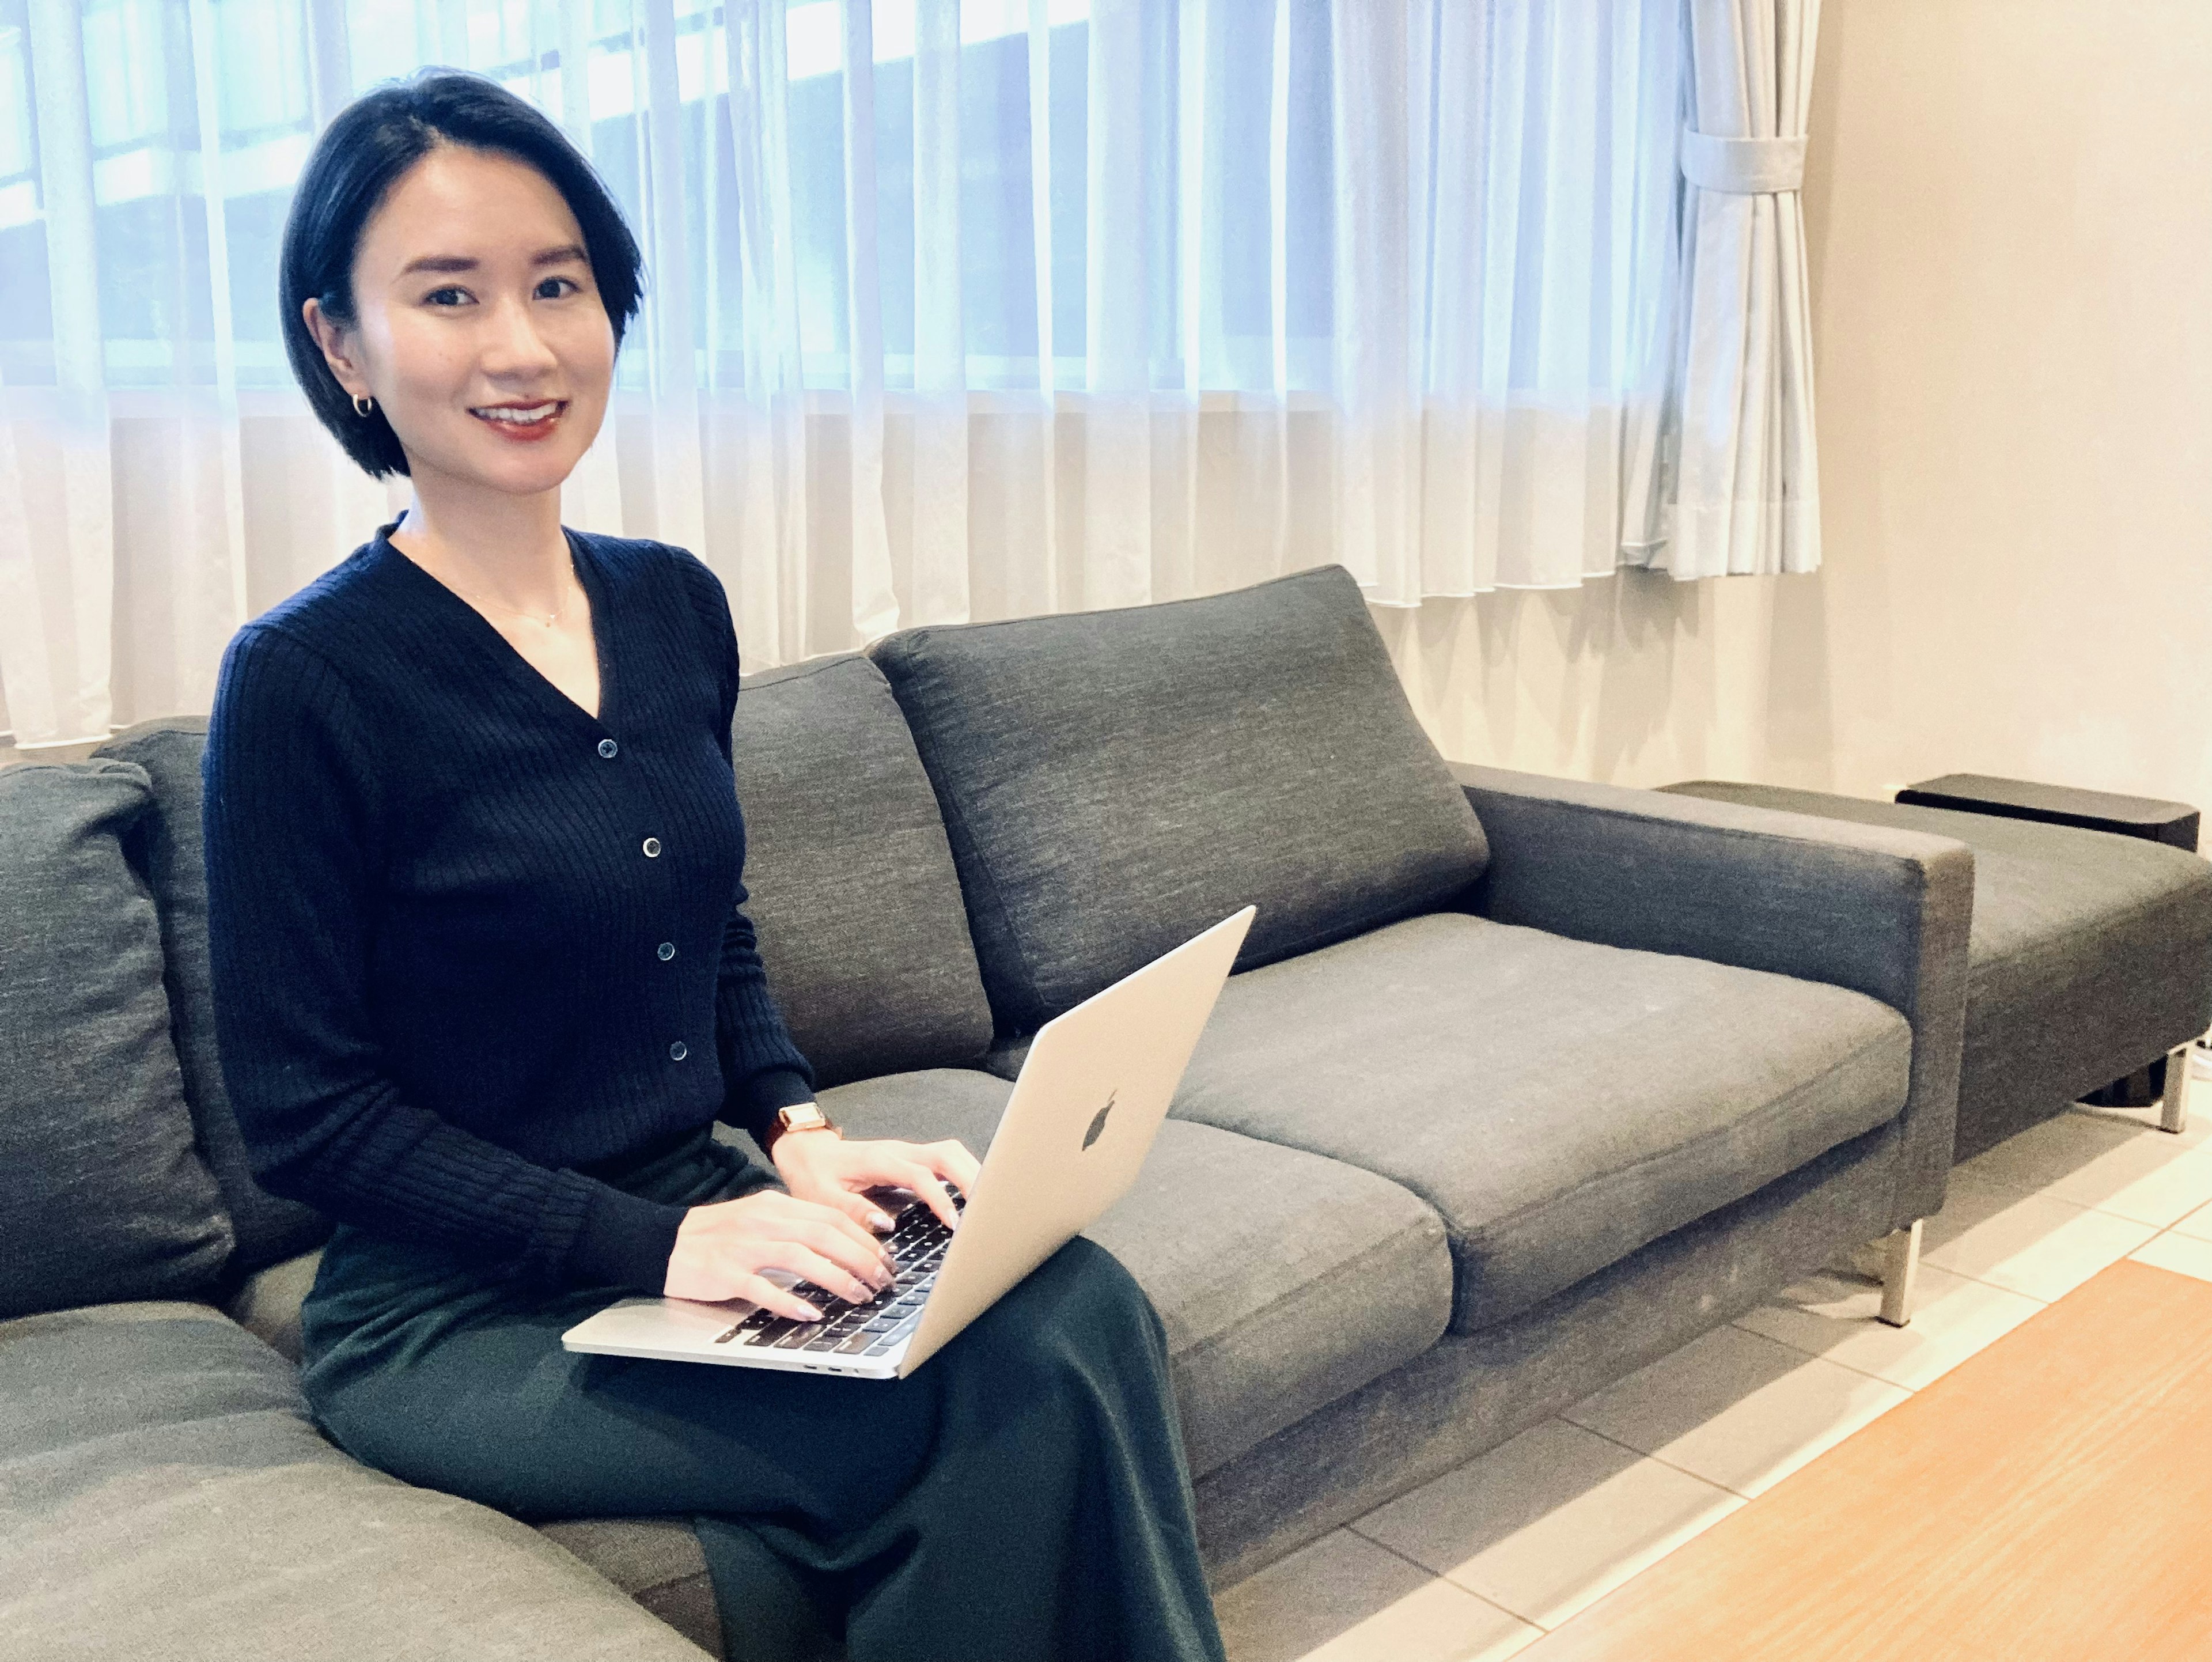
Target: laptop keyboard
<point x="916" y="1243"/>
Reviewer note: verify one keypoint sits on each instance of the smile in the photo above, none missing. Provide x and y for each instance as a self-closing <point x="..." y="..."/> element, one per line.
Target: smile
<point x="522" y="421"/>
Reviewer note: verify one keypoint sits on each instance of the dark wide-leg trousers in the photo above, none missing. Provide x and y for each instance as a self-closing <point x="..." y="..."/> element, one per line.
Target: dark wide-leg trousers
<point x="1022" y="1496"/>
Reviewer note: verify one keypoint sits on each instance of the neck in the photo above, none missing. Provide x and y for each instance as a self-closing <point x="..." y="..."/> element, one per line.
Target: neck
<point x="507" y="548"/>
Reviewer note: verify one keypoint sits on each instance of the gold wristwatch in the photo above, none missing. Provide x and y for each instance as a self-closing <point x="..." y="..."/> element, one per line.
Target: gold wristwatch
<point x="799" y="1116"/>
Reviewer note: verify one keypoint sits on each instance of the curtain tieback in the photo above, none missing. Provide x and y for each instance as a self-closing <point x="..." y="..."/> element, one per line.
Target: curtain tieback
<point x="1742" y="166"/>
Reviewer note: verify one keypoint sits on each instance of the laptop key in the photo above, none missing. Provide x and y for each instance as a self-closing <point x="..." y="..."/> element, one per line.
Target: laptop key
<point x="856" y="1344"/>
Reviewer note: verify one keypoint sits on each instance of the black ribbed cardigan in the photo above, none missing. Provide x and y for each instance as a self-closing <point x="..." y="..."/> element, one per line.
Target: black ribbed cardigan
<point x="470" y="940"/>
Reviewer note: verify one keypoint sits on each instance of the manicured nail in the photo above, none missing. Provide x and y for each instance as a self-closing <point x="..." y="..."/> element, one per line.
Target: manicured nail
<point x="880" y="1221"/>
<point x="811" y="1315"/>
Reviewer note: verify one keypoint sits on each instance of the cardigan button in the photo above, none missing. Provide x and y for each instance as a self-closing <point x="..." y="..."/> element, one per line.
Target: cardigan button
<point x="666" y="950"/>
<point x="607" y="747"/>
<point x="678" y="1050"/>
<point x="653" y="848"/>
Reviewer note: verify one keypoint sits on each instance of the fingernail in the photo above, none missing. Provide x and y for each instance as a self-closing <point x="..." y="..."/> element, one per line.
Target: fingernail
<point x="812" y="1314"/>
<point x="880" y="1221"/>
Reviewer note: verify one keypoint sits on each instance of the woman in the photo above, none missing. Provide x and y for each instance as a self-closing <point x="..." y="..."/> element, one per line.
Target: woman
<point x="484" y="984"/>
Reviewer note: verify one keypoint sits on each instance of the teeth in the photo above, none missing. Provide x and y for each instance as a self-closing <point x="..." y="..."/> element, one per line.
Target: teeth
<point x="536" y="412"/>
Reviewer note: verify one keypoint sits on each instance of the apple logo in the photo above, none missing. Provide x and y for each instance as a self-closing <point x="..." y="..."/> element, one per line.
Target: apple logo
<point x="1098" y="1121"/>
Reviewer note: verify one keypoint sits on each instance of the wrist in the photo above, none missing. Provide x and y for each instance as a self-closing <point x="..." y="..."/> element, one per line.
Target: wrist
<point x="797" y="1118"/>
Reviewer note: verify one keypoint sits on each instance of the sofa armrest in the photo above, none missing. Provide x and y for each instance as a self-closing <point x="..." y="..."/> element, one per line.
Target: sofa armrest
<point x="1880" y="910"/>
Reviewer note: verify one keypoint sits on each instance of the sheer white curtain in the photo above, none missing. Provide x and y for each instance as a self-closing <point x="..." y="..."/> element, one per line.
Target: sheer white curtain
<point x="958" y="309"/>
<point x="1735" y="483"/>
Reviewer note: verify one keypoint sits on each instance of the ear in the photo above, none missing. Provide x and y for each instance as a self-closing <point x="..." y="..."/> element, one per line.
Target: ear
<point x="337" y="344"/>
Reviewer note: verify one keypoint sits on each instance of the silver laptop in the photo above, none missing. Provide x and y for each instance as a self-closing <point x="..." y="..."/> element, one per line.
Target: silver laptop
<point x="1092" y="1092"/>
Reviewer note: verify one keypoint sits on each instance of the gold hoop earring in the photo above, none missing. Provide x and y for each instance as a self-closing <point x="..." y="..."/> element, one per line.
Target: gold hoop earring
<point x="363" y="407"/>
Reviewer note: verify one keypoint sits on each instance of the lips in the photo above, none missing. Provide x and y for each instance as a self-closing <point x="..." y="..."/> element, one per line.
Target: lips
<point x="521" y="421"/>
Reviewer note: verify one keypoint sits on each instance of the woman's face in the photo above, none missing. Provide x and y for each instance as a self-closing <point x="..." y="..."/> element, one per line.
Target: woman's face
<point x="478" y="330"/>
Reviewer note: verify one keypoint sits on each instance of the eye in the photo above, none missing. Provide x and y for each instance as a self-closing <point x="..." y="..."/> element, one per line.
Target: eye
<point x="446" y="296"/>
<point x="558" y="288"/>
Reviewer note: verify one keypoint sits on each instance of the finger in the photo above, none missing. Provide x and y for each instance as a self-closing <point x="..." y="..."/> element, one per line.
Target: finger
<point x="953" y="1161"/>
<point x="768" y="1296"/>
<point x="830" y="1213"/>
<point x="864" y="1212"/>
<point x="949" y="1161"/>
<point x="843" y="1191"/>
<point x="848" y="1203"/>
<point x="851" y="1248"/>
<point x="882" y="1163"/>
<point x="825" y="1272"/>
<point x="923" y="1181"/>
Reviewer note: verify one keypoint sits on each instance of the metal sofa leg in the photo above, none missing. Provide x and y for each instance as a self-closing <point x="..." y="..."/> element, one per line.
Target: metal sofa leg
<point x="1900" y="1266"/>
<point x="2174" y="1105"/>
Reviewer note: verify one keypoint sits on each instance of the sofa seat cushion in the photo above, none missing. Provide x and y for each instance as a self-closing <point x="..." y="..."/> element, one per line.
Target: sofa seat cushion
<point x="1284" y="1280"/>
<point x="1115" y="781"/>
<point x="2090" y="954"/>
<point x="656" y="1561"/>
<point x="1559" y="1104"/>
<point x="167" y="1495"/>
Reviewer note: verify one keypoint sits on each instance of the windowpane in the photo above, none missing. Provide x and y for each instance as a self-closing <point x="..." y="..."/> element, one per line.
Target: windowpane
<point x="1262" y="129"/>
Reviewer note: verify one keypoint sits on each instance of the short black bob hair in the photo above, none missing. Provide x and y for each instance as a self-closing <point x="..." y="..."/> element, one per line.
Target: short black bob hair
<point x="374" y="140"/>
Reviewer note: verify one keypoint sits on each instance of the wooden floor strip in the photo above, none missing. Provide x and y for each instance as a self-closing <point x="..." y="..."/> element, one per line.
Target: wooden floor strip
<point x="2051" y="1497"/>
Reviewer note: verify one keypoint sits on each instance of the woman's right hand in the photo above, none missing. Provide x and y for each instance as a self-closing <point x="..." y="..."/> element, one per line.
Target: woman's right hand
<point x="721" y="1248"/>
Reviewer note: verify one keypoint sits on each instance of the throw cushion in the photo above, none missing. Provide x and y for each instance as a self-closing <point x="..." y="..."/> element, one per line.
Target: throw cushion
<point x="165" y="848"/>
<point x="1115" y="782"/>
<point x="102" y="1195"/>
<point x="853" y="890"/>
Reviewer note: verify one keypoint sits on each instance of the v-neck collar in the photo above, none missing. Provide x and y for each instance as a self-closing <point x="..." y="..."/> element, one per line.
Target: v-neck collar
<point x="480" y="628"/>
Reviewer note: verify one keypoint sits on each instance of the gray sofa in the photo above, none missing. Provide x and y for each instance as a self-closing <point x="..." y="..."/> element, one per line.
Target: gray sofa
<point x="1520" y="1084"/>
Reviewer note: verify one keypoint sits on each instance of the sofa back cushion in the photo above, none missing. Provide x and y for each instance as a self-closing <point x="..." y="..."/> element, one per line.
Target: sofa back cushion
<point x="1115" y="781"/>
<point x="853" y="890"/>
<point x="164" y="848"/>
<point x="102" y="1195"/>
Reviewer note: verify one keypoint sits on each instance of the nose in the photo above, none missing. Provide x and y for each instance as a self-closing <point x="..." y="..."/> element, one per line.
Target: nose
<point x="512" y="348"/>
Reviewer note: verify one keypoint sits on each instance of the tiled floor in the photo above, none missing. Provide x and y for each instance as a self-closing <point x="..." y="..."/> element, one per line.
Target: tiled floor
<point x="1483" y="1562"/>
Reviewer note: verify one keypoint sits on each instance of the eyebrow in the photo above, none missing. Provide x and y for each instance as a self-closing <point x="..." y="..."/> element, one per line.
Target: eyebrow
<point x="560" y="256"/>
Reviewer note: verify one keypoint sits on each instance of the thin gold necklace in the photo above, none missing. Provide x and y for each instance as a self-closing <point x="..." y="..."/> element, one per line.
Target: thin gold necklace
<point x="552" y="618"/>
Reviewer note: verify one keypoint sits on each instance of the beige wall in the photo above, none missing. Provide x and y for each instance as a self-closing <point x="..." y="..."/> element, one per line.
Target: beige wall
<point x="2010" y="217"/>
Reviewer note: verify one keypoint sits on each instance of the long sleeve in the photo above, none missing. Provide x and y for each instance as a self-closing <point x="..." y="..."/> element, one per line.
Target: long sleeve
<point x="296" y="845"/>
<point x="762" y="1070"/>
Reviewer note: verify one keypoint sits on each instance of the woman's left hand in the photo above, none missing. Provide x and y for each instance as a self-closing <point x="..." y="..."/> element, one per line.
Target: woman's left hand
<point x="822" y="1166"/>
